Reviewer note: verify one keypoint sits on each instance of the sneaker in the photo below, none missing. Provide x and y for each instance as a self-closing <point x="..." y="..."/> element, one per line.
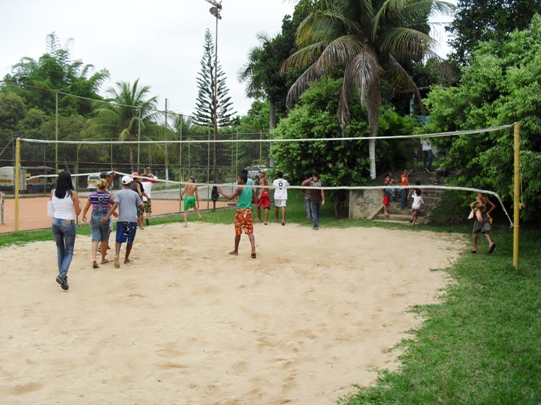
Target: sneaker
<point x="63" y="281"/>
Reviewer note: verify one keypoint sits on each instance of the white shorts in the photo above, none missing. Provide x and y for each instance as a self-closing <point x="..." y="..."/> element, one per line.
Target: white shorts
<point x="280" y="203"/>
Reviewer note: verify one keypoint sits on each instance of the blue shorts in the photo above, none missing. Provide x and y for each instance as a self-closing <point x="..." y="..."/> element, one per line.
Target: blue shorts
<point x="99" y="230"/>
<point x="125" y="232"/>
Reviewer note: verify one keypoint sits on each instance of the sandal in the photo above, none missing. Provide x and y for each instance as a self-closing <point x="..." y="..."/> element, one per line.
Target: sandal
<point x="105" y="261"/>
<point x="95" y="265"/>
<point x="474" y="251"/>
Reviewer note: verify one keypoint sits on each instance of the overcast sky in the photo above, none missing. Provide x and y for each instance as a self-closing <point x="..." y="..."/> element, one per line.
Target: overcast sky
<point x="159" y="41"/>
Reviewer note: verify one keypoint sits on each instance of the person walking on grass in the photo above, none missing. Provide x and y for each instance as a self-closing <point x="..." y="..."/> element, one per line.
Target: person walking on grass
<point x="482" y="220"/>
<point x="65" y="201"/>
<point x="280" y="196"/>
<point x="128" y="203"/>
<point x="306" y="196"/>
<point x="243" y="216"/>
<point x="191" y="200"/>
<point x="317" y="198"/>
<point x="100" y="201"/>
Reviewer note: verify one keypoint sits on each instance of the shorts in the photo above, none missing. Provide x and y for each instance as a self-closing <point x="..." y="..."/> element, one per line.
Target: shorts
<point x="148" y="206"/>
<point x="280" y="203"/>
<point x="99" y="230"/>
<point x="415" y="212"/>
<point x="189" y="202"/>
<point x="125" y="232"/>
<point x="264" y="200"/>
<point x="244" y="221"/>
<point x="481" y="227"/>
<point x="386" y="200"/>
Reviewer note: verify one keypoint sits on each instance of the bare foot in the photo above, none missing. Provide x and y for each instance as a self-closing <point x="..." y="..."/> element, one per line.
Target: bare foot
<point x="185" y="225"/>
<point x="201" y="218"/>
<point x="128" y="261"/>
<point x="253" y="254"/>
<point x="234" y="253"/>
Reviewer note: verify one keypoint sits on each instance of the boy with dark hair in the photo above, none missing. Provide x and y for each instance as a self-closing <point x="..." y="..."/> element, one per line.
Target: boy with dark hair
<point x="243" y="216"/>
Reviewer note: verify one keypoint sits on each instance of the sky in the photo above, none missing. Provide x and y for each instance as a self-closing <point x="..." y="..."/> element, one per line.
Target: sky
<point x="159" y="42"/>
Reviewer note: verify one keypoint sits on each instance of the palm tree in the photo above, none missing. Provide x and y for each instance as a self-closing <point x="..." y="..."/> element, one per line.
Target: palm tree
<point x="363" y="38"/>
<point x="128" y="115"/>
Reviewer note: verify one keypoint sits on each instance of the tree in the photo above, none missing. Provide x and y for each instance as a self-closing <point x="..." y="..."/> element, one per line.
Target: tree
<point x="478" y="21"/>
<point x="501" y="86"/>
<point x="262" y="72"/>
<point x="56" y="71"/>
<point x="204" y="108"/>
<point x="127" y="115"/>
<point x="359" y="39"/>
<point x="213" y="106"/>
<point x="339" y="163"/>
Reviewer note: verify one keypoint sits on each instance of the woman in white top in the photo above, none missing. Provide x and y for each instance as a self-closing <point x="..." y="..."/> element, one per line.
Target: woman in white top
<point x="65" y="201"/>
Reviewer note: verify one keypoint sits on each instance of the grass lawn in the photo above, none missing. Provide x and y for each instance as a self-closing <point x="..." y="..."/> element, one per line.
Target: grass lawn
<point x="480" y="345"/>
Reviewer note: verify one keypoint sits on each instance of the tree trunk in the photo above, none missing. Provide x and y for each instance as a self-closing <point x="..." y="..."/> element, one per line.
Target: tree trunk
<point x="372" y="156"/>
<point x="272" y="114"/>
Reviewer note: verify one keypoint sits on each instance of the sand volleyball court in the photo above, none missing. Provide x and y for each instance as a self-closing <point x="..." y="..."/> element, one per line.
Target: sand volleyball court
<point x="187" y="323"/>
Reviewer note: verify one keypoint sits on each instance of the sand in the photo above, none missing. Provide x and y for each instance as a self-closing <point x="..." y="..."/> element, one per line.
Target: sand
<point x="186" y="323"/>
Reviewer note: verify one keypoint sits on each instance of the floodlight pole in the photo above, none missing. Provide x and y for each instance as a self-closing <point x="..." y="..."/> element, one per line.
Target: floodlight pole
<point x="517" y="204"/>
<point x="215" y="11"/>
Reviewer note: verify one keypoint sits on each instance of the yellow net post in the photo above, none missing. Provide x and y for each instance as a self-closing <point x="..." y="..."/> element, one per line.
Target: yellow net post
<point x="516" y="214"/>
<point x="17" y="181"/>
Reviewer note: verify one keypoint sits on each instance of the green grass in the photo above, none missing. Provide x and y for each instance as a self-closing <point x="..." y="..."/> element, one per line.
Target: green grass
<point x="480" y="345"/>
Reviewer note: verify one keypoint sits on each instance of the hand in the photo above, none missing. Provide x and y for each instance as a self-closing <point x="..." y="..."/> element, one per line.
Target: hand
<point x="84" y="218"/>
<point x="104" y="220"/>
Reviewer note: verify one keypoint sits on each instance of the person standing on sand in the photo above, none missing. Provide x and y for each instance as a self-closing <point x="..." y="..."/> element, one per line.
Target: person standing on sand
<point x="191" y="200"/>
<point x="100" y="201"/>
<point x="280" y="196"/>
<point x="243" y="215"/>
<point x="147" y="200"/>
<point x="263" y="198"/>
<point x="126" y="226"/>
<point x="65" y="201"/>
<point x="138" y="187"/>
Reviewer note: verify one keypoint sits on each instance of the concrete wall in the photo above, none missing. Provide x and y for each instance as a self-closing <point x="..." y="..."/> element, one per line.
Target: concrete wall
<point x="363" y="203"/>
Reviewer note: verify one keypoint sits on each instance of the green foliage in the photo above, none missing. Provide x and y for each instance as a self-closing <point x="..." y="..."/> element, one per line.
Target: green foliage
<point x="478" y="21"/>
<point x="501" y="86"/>
<point x="55" y="70"/>
<point x="339" y="163"/>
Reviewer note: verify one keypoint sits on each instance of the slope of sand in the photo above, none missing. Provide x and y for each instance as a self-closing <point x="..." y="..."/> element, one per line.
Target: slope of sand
<point x="187" y="323"/>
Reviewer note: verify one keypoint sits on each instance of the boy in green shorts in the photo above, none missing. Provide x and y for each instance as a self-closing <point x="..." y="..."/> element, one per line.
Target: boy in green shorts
<point x="191" y="200"/>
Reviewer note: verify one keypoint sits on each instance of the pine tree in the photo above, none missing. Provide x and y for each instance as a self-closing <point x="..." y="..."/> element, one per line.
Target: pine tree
<point x="204" y="108"/>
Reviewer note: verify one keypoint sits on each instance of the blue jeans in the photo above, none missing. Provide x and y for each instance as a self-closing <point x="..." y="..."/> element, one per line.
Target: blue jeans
<point x="308" y="207"/>
<point x="64" y="236"/>
<point x="404" y="198"/>
<point x="315" y="213"/>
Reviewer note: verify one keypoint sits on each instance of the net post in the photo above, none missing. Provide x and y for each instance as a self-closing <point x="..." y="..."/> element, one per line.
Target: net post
<point x="516" y="214"/>
<point x="17" y="180"/>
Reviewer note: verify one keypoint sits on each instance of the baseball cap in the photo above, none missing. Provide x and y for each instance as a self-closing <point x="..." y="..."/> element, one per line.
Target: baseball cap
<point x="126" y="180"/>
<point x="135" y="174"/>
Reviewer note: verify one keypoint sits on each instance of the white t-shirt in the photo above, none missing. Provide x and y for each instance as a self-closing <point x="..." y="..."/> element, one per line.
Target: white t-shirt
<point x="426" y="145"/>
<point x="417" y="201"/>
<point x="148" y="189"/>
<point x="280" y="193"/>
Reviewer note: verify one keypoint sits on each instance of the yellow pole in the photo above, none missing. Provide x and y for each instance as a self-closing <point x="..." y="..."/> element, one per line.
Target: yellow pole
<point x="17" y="180"/>
<point x="516" y="220"/>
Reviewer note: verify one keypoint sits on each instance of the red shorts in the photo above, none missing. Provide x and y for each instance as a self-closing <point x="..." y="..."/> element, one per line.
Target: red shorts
<point x="243" y="220"/>
<point x="264" y="200"/>
<point x="386" y="200"/>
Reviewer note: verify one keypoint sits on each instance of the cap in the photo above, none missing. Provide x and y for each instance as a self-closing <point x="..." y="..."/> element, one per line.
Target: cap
<point x="135" y="174"/>
<point x="126" y="180"/>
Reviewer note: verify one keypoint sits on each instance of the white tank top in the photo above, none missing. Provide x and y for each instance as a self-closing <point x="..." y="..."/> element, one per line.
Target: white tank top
<point x="63" y="207"/>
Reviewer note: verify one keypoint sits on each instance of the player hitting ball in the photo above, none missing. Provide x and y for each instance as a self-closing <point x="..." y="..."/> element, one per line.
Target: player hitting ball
<point x="243" y="215"/>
